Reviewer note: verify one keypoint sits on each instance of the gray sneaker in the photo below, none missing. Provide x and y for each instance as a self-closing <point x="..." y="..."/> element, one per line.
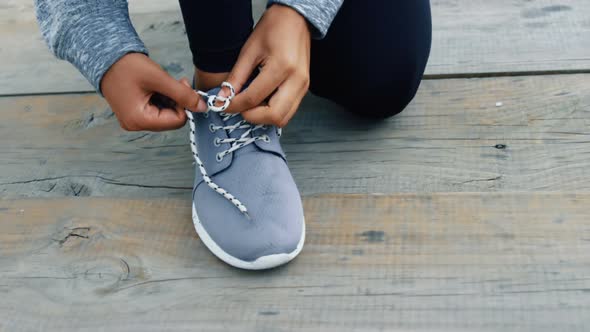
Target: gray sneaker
<point x="246" y="207"/>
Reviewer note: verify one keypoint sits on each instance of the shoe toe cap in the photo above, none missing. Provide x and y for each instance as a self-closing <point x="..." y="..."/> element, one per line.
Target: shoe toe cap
<point x="275" y="225"/>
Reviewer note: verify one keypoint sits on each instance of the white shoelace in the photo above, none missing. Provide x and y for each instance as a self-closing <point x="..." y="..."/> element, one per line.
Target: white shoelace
<point x="235" y="143"/>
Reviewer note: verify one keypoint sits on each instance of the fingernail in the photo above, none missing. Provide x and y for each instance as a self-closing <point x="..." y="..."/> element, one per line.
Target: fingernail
<point x="223" y="92"/>
<point x="201" y="107"/>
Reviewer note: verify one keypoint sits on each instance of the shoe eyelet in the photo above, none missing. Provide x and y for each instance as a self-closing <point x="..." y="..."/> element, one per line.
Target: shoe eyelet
<point x="219" y="157"/>
<point x="206" y="115"/>
<point x="266" y="138"/>
<point x="211" y="128"/>
<point x="263" y="127"/>
<point x="217" y="142"/>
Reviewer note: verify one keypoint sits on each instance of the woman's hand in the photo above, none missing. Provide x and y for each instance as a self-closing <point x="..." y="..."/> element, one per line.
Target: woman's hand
<point x="280" y="47"/>
<point x="144" y="97"/>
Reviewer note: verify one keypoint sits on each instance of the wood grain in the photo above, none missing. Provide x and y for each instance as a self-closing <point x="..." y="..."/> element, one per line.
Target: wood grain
<point x="471" y="38"/>
<point x="455" y="262"/>
<point x="509" y="37"/>
<point x="452" y="138"/>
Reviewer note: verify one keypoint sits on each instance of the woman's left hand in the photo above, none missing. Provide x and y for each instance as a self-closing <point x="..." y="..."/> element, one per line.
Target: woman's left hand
<point x="280" y="47"/>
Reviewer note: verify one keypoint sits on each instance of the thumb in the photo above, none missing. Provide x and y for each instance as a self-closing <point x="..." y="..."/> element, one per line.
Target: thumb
<point x="180" y="91"/>
<point x="202" y="105"/>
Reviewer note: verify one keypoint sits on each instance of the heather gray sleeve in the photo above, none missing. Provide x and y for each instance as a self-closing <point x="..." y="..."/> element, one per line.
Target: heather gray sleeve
<point x="319" y="13"/>
<point x="90" y="34"/>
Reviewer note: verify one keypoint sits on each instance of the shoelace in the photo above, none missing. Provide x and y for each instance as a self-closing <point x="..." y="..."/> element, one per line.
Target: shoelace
<point x="235" y="143"/>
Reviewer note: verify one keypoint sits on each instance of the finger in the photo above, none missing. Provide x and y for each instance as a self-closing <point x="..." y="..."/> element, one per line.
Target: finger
<point x="161" y="101"/>
<point x="243" y="68"/>
<point x="158" y="80"/>
<point x="154" y="119"/>
<point x="185" y="81"/>
<point x="270" y="77"/>
<point x="281" y="107"/>
<point x="202" y="105"/>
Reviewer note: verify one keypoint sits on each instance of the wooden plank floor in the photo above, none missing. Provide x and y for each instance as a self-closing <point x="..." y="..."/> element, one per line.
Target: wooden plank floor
<point x="456" y="215"/>
<point x="471" y="38"/>
<point x="452" y="138"/>
<point x="470" y="262"/>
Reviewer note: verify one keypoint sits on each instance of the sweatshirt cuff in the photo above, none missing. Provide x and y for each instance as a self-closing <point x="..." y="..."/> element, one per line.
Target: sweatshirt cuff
<point x="97" y="40"/>
<point x="319" y="13"/>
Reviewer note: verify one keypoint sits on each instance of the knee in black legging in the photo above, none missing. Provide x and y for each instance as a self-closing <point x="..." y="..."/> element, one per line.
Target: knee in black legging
<point x="380" y="95"/>
<point x="372" y="60"/>
<point x="384" y="97"/>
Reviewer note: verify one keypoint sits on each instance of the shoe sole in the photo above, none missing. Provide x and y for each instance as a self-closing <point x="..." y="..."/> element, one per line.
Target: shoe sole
<point x="261" y="263"/>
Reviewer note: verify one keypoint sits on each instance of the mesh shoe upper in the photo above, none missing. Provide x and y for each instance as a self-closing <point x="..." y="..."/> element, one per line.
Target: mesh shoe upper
<point x="257" y="175"/>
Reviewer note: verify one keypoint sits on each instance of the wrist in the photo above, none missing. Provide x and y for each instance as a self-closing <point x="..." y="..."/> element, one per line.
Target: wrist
<point x="319" y="13"/>
<point x="121" y="72"/>
<point x="287" y="11"/>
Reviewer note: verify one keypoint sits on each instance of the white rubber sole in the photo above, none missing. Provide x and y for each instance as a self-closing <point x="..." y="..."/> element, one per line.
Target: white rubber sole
<point x="261" y="263"/>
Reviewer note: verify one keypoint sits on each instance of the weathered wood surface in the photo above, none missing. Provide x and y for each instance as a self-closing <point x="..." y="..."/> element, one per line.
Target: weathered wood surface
<point x="509" y="36"/>
<point x="468" y="262"/>
<point x="475" y="37"/>
<point x="451" y="138"/>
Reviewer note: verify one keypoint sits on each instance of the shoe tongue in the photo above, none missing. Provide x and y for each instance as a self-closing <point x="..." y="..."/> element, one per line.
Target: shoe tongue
<point x="237" y="133"/>
<point x="233" y="120"/>
<point x="274" y="145"/>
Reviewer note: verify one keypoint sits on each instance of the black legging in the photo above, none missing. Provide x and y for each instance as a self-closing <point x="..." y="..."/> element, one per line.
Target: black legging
<point x="374" y="53"/>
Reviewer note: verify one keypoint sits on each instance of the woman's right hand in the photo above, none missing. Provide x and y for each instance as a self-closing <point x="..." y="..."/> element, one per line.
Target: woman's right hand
<point x="144" y="97"/>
